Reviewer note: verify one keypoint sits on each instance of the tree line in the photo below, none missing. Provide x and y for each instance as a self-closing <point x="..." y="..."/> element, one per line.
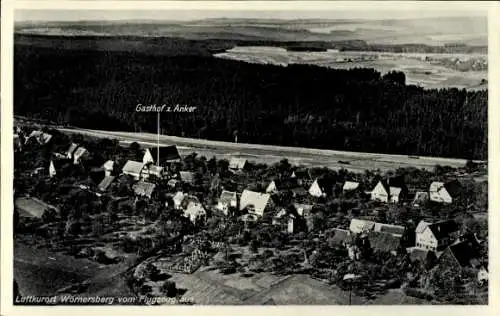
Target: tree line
<point x="298" y="105"/>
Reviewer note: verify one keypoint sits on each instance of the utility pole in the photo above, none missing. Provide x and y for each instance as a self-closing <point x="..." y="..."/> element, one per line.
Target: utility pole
<point x="158" y="141"/>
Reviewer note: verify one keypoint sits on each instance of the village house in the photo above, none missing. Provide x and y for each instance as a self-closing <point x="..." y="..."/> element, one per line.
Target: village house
<point x="105" y="183"/>
<point x="144" y="189"/>
<point x="237" y="163"/>
<point x="321" y="187"/>
<point x="177" y="199"/>
<point x="290" y="218"/>
<point x="134" y="169"/>
<point x="426" y="257"/>
<point x="52" y="169"/>
<point x="255" y="202"/>
<point x="341" y="237"/>
<point x="108" y="167"/>
<point x="460" y="255"/>
<point x="153" y="170"/>
<point x="420" y="199"/>
<point x="350" y="186"/>
<point x="436" y="236"/>
<point x="79" y="154"/>
<point x="187" y="177"/>
<point x="227" y="200"/>
<point x="167" y="154"/>
<point x="440" y="192"/>
<point x="359" y="226"/>
<point x="392" y="190"/>
<point x="395" y="230"/>
<point x="278" y="185"/>
<point x="39" y="136"/>
<point x="384" y="242"/>
<point x="195" y="211"/>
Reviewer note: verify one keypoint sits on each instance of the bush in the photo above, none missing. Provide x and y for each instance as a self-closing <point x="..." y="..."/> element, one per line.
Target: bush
<point x="169" y="289"/>
<point x="417" y="293"/>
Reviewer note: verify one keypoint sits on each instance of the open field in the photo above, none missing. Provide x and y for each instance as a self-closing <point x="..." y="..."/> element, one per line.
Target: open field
<point x="357" y="162"/>
<point x="417" y="71"/>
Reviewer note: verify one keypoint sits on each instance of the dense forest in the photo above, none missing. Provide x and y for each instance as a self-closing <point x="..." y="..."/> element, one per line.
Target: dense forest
<point x="298" y="105"/>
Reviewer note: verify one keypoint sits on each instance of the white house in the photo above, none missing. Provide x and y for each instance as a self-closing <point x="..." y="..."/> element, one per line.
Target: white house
<point x="386" y="191"/>
<point x="227" y="199"/>
<point x="194" y="211"/>
<point x="166" y="154"/>
<point x="420" y="198"/>
<point x="320" y="187"/>
<point x="358" y="226"/>
<point x="435" y="236"/>
<point x="134" y="169"/>
<point x="237" y="163"/>
<point x="108" y="167"/>
<point x="440" y="192"/>
<point x="178" y="198"/>
<point x="350" y="186"/>
<point x="79" y="154"/>
<point x="282" y="184"/>
<point x="482" y="275"/>
<point x="41" y="137"/>
<point x="52" y="169"/>
<point x="256" y="202"/>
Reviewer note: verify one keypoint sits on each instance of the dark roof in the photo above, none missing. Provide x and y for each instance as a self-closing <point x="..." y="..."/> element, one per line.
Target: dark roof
<point x="326" y="185"/>
<point x="340" y="236"/>
<point x="168" y="153"/>
<point x="420" y="255"/>
<point x="299" y="191"/>
<point x="396" y="181"/>
<point x="454" y="188"/>
<point x="463" y="253"/>
<point x="443" y="229"/>
<point x="392" y="229"/>
<point x="286" y="183"/>
<point x="384" y="242"/>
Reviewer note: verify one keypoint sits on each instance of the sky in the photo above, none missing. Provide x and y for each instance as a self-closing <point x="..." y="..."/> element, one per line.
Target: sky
<point x="184" y="15"/>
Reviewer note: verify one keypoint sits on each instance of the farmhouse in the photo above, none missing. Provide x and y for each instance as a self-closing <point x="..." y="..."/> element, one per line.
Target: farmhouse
<point x="395" y="230"/>
<point x="194" y="211"/>
<point x="227" y="199"/>
<point x="436" y="236"/>
<point x="187" y="177"/>
<point x="71" y="150"/>
<point x="134" y="169"/>
<point x="153" y="170"/>
<point x="255" y="202"/>
<point x="282" y="184"/>
<point x="177" y="199"/>
<point x="341" y="237"/>
<point x="460" y="254"/>
<point x="293" y="222"/>
<point x="392" y="190"/>
<point x="32" y="207"/>
<point x="108" y="167"/>
<point x="79" y="154"/>
<point x="321" y="187"/>
<point x="440" y="192"/>
<point x="39" y="136"/>
<point x="143" y="188"/>
<point x="237" y="163"/>
<point x="350" y="186"/>
<point x="167" y="154"/>
<point x="105" y="183"/>
<point x="358" y="226"/>
<point x="420" y="198"/>
<point x="383" y="242"/>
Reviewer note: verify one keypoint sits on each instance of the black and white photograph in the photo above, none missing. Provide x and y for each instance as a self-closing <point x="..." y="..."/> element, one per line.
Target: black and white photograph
<point x="209" y="156"/>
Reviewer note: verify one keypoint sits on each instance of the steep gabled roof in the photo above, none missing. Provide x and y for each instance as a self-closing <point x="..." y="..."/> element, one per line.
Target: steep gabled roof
<point x="422" y="225"/>
<point x="41" y="137"/>
<point x="144" y="188"/>
<point x="133" y="167"/>
<point x="384" y="242"/>
<point x="226" y="197"/>
<point x="361" y="225"/>
<point x="389" y="229"/>
<point x="286" y="183"/>
<point x="108" y="165"/>
<point x="237" y="163"/>
<point x="444" y="228"/>
<point x="256" y="200"/>
<point x="454" y="188"/>
<point x="71" y="150"/>
<point x="464" y="253"/>
<point x="167" y="153"/>
<point x="350" y="185"/>
<point x="303" y="210"/>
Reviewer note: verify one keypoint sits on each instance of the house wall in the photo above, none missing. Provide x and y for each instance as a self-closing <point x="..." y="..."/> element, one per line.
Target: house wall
<point x="148" y="157"/>
<point x="271" y="187"/>
<point x="315" y="190"/>
<point x="379" y="193"/>
<point x="426" y="240"/>
<point x="441" y="196"/>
